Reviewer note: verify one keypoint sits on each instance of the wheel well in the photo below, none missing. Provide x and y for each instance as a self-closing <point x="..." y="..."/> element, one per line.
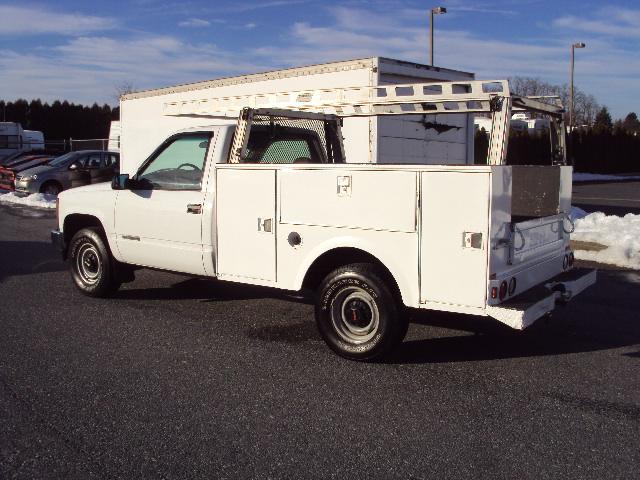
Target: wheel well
<point x="73" y="223"/>
<point x="49" y="182"/>
<point x="336" y="258"/>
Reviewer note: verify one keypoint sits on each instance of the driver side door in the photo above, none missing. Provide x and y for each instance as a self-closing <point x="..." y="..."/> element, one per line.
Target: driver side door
<point x="158" y="221"/>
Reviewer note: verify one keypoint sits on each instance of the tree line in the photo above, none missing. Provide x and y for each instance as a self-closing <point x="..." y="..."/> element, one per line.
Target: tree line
<point x="61" y="119"/>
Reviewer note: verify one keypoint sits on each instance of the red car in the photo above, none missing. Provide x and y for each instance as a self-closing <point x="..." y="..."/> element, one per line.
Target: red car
<point x="9" y="169"/>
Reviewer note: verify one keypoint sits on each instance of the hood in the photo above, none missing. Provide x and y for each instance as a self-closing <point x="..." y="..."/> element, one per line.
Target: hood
<point x="36" y="170"/>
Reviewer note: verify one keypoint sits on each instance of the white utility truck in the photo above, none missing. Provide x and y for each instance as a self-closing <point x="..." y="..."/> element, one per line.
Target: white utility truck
<point x="259" y="189"/>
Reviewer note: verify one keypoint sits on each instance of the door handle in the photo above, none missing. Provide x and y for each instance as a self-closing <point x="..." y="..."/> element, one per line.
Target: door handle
<point x="265" y="224"/>
<point x="195" y="208"/>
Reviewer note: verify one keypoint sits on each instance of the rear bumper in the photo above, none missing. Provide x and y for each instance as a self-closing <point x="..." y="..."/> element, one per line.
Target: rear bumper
<point x="524" y="309"/>
<point x="57" y="239"/>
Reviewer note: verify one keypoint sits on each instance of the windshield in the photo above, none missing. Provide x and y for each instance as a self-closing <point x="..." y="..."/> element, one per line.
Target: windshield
<point x="62" y="159"/>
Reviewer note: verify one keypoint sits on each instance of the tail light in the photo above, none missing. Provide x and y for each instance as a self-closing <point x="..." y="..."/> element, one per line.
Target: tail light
<point x="503" y="290"/>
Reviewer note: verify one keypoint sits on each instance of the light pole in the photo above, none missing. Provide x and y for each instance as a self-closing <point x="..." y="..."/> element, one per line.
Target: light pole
<point x="434" y="11"/>
<point x="571" y="99"/>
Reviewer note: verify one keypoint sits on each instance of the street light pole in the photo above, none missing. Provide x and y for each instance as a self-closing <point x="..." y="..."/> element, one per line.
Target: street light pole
<point x="434" y="11"/>
<point x="571" y="99"/>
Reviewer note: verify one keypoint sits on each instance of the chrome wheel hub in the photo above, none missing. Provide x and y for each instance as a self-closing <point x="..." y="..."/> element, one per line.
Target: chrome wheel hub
<point x="355" y="315"/>
<point x="88" y="264"/>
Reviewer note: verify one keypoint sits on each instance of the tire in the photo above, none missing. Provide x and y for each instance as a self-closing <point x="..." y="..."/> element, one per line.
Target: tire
<point x="91" y="264"/>
<point x="51" y="188"/>
<point x="358" y="315"/>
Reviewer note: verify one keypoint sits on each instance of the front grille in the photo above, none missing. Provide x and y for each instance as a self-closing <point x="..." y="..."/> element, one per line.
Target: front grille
<point x="7" y="179"/>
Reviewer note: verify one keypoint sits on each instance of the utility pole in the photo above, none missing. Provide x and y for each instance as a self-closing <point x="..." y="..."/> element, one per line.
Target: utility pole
<point x="571" y="96"/>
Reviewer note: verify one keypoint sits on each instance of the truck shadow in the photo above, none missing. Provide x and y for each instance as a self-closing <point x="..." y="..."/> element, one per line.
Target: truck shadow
<point x="208" y="290"/>
<point x="539" y="341"/>
<point x="461" y="338"/>
<point x="602" y="318"/>
<point x="28" y="258"/>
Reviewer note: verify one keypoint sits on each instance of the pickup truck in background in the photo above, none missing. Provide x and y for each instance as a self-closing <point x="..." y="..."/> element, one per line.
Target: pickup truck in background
<point x="269" y="198"/>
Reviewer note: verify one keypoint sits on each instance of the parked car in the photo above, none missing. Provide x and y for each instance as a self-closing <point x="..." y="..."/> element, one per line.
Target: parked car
<point x="73" y="169"/>
<point x="9" y="171"/>
<point x="18" y="158"/>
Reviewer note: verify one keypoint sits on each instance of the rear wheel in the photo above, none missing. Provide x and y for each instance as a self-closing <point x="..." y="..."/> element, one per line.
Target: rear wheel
<point x="92" y="267"/>
<point x="357" y="313"/>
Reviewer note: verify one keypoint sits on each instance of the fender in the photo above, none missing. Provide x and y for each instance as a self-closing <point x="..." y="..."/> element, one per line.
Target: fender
<point x="82" y="201"/>
<point x="406" y="284"/>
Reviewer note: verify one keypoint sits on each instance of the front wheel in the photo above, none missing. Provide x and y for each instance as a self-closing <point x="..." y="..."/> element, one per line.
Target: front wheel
<point x="51" y="188"/>
<point x="357" y="314"/>
<point x="91" y="264"/>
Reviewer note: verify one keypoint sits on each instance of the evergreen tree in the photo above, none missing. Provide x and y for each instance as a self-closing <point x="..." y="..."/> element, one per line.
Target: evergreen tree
<point x="631" y="123"/>
<point x="603" y="119"/>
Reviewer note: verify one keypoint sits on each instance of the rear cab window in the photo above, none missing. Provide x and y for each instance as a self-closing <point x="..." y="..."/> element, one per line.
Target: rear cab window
<point x="281" y="139"/>
<point x="289" y="147"/>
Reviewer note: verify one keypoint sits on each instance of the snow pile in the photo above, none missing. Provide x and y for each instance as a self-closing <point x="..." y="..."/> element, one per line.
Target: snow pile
<point x="620" y="236"/>
<point x="594" y="177"/>
<point x="35" y="200"/>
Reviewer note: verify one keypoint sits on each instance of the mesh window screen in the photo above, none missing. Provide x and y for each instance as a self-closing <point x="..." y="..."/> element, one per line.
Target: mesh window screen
<point x="280" y="139"/>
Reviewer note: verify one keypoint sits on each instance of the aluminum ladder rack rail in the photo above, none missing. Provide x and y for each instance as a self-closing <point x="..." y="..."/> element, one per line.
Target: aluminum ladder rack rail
<point x="416" y="98"/>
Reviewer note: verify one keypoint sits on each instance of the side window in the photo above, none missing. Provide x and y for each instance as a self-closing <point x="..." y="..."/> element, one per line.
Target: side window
<point x="93" y="160"/>
<point x="9" y="141"/>
<point x="178" y="166"/>
<point x="81" y="162"/>
<point x="110" y="160"/>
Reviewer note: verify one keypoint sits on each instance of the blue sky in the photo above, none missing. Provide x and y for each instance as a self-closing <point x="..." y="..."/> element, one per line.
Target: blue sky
<point x="81" y="51"/>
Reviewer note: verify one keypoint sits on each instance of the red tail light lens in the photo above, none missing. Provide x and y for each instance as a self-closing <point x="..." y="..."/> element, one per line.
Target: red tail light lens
<point x="503" y="290"/>
<point x="494" y="292"/>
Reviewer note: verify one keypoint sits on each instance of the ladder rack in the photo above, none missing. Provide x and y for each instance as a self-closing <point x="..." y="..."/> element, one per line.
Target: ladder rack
<point x="416" y="98"/>
<point x="451" y="97"/>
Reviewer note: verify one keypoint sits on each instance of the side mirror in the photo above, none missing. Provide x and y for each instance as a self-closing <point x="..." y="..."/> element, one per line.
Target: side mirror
<point x="120" y="182"/>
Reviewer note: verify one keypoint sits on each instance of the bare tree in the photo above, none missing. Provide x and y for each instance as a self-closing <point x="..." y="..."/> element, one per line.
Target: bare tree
<point x="123" y="89"/>
<point x="585" y="105"/>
